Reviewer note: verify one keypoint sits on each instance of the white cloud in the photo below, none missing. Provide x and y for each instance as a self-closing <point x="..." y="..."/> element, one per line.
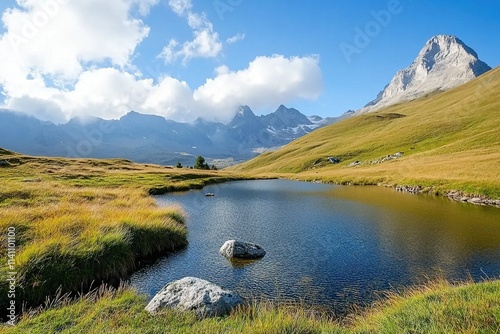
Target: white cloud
<point x="180" y="7"/>
<point x="235" y="38"/>
<point x="223" y="69"/>
<point x="107" y="93"/>
<point x="43" y="109"/>
<point x="48" y="45"/>
<point x="144" y="6"/>
<point x="168" y="53"/>
<point x="205" y="43"/>
<point x="110" y="93"/>
<point x="266" y="83"/>
<point x="73" y="33"/>
<point x="173" y="99"/>
<point x="198" y="21"/>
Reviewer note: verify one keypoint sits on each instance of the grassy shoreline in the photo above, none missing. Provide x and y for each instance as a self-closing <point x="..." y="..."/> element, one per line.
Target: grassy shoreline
<point x="78" y="222"/>
<point x="438" y="307"/>
<point x="416" y="187"/>
<point x="443" y="143"/>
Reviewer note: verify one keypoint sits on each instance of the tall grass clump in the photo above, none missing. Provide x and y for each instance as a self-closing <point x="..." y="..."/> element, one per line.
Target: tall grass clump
<point x="82" y="237"/>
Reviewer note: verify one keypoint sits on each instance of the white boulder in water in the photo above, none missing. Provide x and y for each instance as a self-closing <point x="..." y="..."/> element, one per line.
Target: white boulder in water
<point x="242" y="250"/>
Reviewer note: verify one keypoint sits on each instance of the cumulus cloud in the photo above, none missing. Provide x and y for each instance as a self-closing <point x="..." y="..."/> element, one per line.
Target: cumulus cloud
<point x="266" y="83"/>
<point x="48" y="46"/>
<point x="43" y="109"/>
<point x="58" y="36"/>
<point x="110" y="93"/>
<point x="106" y="92"/>
<point x="60" y="60"/>
<point x="144" y="6"/>
<point x="205" y="43"/>
<point x="180" y="7"/>
<point x="235" y="38"/>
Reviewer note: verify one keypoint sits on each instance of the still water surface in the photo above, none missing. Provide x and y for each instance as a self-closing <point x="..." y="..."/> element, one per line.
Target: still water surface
<point x="328" y="245"/>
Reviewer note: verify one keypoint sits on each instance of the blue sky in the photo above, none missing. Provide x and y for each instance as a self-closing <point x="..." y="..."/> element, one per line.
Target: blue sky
<point x="104" y="58"/>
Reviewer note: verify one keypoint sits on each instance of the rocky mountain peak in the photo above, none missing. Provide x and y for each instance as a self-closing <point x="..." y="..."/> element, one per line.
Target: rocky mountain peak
<point x="282" y="109"/>
<point x="443" y="63"/>
<point x="285" y="117"/>
<point x="245" y="112"/>
<point x="446" y="49"/>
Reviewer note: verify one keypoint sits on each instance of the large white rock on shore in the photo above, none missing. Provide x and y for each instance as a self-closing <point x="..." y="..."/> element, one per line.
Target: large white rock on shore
<point x="206" y="299"/>
<point x="242" y="250"/>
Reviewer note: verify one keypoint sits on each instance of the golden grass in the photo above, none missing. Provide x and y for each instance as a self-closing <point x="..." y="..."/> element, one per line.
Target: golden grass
<point x="80" y="221"/>
<point x="438" y="307"/>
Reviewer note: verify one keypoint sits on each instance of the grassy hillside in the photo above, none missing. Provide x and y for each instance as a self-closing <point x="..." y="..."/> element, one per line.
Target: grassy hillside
<point x="437" y="308"/>
<point x="450" y="141"/>
<point x="82" y="221"/>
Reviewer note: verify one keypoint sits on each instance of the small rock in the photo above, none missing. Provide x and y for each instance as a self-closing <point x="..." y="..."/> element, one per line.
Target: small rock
<point x="476" y="200"/>
<point x="242" y="250"/>
<point x="32" y="180"/>
<point x="464" y="199"/>
<point x="333" y="160"/>
<point x="398" y="155"/>
<point x="206" y="299"/>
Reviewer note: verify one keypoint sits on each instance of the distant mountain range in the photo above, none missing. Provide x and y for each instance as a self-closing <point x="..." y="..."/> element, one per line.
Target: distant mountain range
<point x="154" y="139"/>
<point x="443" y="63"/>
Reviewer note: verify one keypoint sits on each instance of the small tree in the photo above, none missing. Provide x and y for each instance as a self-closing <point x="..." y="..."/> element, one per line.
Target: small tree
<point x="179" y="165"/>
<point x="200" y="163"/>
<point x="213" y="167"/>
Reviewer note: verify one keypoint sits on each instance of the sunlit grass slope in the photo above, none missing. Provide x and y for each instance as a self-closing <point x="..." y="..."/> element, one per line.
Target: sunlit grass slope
<point x="80" y="221"/>
<point x="450" y="141"/>
<point x="436" y="308"/>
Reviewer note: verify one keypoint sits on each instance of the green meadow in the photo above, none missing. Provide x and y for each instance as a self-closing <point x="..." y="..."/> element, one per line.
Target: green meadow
<point x="450" y="142"/>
